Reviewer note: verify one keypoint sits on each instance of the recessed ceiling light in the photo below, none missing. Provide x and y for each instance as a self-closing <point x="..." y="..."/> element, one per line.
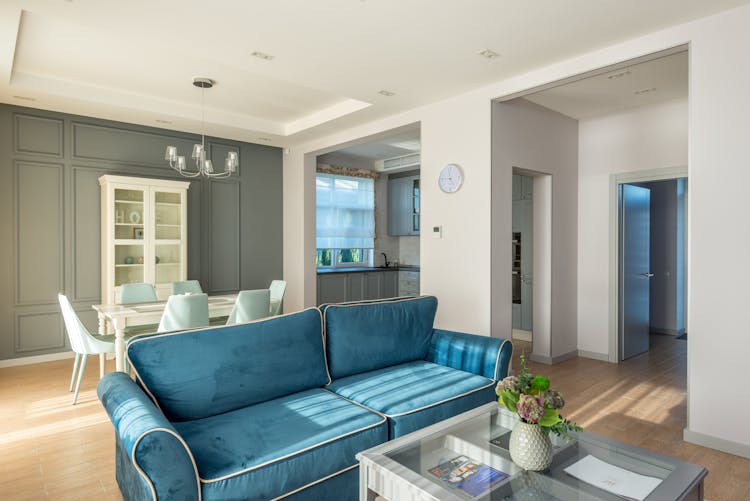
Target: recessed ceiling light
<point x="161" y="121"/>
<point x="386" y="93"/>
<point x="25" y="98"/>
<point x="644" y="91"/>
<point x="615" y="76"/>
<point x="488" y="54"/>
<point x="261" y="55"/>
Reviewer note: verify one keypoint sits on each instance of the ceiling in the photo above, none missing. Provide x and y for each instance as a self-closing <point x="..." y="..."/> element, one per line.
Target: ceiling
<point x="643" y="84"/>
<point x="134" y="61"/>
<point x="401" y="143"/>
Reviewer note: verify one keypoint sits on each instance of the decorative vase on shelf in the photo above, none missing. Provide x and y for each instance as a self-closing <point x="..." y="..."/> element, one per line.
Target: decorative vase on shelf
<point x="129" y="260"/>
<point x="530" y="447"/>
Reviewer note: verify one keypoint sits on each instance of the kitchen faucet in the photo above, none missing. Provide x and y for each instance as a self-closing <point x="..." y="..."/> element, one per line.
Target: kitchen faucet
<point x="385" y="258"/>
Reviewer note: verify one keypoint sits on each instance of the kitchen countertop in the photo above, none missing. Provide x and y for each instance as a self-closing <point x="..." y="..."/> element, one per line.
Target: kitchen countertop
<point x="364" y="269"/>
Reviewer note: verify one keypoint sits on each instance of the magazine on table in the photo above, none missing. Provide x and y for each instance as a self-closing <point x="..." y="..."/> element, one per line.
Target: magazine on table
<point x="619" y="481"/>
<point x="467" y="475"/>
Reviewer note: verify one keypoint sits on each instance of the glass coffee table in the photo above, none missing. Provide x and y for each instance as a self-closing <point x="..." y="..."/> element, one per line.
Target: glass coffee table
<point x="423" y="465"/>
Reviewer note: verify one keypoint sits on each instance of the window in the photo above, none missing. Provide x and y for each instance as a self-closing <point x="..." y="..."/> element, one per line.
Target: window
<point x="345" y="220"/>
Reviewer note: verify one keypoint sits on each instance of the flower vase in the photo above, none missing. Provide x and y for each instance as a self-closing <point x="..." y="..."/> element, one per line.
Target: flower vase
<point x="530" y="447"/>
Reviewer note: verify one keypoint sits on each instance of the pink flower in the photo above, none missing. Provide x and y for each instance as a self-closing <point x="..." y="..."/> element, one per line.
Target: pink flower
<point x="510" y="383"/>
<point x="530" y="408"/>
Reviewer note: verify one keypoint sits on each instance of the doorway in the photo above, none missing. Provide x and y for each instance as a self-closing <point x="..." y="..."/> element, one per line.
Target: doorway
<point x="651" y="257"/>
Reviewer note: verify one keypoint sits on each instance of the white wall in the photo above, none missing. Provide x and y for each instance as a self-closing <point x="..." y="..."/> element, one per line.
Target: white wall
<point x="640" y="139"/>
<point x="456" y="268"/>
<point x="530" y="137"/>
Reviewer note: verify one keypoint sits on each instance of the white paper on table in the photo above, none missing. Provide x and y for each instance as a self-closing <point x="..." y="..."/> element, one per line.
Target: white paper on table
<point x="612" y="478"/>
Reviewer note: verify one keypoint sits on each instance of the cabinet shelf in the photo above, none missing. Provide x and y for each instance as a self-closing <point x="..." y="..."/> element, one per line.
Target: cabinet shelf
<point x="169" y="204"/>
<point x="169" y="225"/>
<point x="138" y="202"/>
<point x="134" y="265"/>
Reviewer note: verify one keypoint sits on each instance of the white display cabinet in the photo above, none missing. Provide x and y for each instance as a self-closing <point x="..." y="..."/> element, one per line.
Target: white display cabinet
<point x="144" y="234"/>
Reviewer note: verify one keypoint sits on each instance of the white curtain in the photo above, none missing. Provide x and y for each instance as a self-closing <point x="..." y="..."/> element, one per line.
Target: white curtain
<point x="345" y="216"/>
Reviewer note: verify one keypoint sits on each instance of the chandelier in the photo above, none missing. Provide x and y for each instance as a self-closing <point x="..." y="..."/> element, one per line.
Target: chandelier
<point x="203" y="166"/>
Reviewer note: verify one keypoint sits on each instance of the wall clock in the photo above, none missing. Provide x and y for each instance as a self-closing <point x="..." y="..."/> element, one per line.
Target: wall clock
<point x="451" y="178"/>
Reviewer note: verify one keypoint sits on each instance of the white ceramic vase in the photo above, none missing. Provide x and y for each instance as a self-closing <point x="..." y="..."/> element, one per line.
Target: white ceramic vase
<point x="530" y="447"/>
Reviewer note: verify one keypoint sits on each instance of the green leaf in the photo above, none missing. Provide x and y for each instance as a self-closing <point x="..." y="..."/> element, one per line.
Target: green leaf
<point x="509" y="400"/>
<point x="550" y="418"/>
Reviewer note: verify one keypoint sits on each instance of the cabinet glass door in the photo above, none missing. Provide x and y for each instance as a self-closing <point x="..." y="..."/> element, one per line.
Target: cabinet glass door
<point x="168" y="215"/>
<point x="168" y="263"/>
<point x="129" y="235"/>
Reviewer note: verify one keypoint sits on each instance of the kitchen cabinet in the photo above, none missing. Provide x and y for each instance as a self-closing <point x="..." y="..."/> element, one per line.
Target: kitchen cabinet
<point x="523" y="187"/>
<point x="144" y="234"/>
<point x="403" y="206"/>
<point x="340" y="286"/>
<point x="408" y="283"/>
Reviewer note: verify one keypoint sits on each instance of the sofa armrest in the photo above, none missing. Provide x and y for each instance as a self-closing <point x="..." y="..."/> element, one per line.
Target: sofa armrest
<point x="481" y="355"/>
<point x="156" y="450"/>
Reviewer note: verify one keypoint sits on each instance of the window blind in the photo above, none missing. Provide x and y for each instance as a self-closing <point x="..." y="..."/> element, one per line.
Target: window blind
<point x="345" y="212"/>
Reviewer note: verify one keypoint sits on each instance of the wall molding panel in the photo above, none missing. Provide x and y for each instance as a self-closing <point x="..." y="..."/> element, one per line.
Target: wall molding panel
<point x="50" y="164"/>
<point x="38" y="231"/>
<point x="47" y="138"/>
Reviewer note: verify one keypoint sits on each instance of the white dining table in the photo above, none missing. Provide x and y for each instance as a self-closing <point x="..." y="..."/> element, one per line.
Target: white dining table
<point x="119" y="316"/>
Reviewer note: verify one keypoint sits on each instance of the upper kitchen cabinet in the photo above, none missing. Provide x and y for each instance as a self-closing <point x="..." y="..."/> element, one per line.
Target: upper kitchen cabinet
<point x="403" y="205"/>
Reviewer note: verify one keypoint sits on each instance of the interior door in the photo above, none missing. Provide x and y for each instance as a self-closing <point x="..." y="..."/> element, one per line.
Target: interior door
<point x="635" y="274"/>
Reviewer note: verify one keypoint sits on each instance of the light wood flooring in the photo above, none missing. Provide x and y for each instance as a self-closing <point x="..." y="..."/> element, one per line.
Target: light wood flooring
<point x="50" y="449"/>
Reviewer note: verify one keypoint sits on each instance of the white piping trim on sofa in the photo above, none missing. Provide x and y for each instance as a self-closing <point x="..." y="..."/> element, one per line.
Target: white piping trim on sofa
<point x="492" y="383"/>
<point x="291" y="454"/>
<point x="497" y="359"/>
<point x="175" y="333"/>
<point x="143" y="473"/>
<point x="298" y="489"/>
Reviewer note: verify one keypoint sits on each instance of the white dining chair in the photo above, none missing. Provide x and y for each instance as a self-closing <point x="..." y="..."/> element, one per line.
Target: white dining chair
<point x="184" y="311"/>
<point x="83" y="344"/>
<point x="250" y="305"/>
<point x="277" y="289"/>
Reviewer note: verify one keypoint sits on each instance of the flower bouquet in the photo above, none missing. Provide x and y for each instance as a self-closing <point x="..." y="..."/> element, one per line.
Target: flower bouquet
<point x="537" y="407"/>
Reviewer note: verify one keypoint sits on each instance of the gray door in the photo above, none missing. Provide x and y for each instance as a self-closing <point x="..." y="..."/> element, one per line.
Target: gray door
<point x="634" y="236"/>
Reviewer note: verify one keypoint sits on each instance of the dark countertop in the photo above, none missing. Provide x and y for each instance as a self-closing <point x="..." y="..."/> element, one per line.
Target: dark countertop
<point x="366" y="269"/>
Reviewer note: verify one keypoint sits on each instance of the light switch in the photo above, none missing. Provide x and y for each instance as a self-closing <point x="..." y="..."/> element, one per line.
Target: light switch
<point x="437" y="232"/>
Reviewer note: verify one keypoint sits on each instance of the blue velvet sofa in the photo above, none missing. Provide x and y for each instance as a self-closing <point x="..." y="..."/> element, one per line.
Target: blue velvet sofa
<point x="279" y="407"/>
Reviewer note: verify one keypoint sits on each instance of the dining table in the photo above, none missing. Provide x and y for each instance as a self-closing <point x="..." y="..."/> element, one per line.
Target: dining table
<point x="117" y="317"/>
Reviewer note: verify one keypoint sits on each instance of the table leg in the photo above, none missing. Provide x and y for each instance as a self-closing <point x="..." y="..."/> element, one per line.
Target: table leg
<point x="119" y="325"/>
<point x="102" y="324"/>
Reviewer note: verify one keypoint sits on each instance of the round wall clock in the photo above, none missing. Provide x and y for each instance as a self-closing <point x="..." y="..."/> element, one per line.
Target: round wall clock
<point x="451" y="178"/>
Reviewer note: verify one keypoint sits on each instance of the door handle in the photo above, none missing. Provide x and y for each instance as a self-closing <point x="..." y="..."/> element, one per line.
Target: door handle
<point x="647" y="275"/>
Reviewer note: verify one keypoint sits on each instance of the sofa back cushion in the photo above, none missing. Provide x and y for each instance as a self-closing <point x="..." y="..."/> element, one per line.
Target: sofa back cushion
<point x="201" y="373"/>
<point x="364" y="336"/>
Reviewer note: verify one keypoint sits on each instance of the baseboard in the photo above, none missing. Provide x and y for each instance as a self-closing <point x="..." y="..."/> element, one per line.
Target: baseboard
<point x="604" y="357"/>
<point x="543" y="359"/>
<point x="720" y="444"/>
<point x="37" y="359"/>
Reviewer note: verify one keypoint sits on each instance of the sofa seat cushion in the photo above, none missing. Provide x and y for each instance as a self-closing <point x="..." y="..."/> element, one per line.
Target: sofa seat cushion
<point x="416" y="394"/>
<point x="275" y="447"/>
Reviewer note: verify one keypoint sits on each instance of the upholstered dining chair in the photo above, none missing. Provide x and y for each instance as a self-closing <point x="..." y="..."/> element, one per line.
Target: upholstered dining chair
<point x="83" y="344"/>
<point x="277" y="289"/>
<point x="184" y="311"/>
<point x="137" y="293"/>
<point x="191" y="286"/>
<point x="250" y="305"/>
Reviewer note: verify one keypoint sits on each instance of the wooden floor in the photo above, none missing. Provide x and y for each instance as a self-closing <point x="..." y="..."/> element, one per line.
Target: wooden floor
<point x="50" y="449"/>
